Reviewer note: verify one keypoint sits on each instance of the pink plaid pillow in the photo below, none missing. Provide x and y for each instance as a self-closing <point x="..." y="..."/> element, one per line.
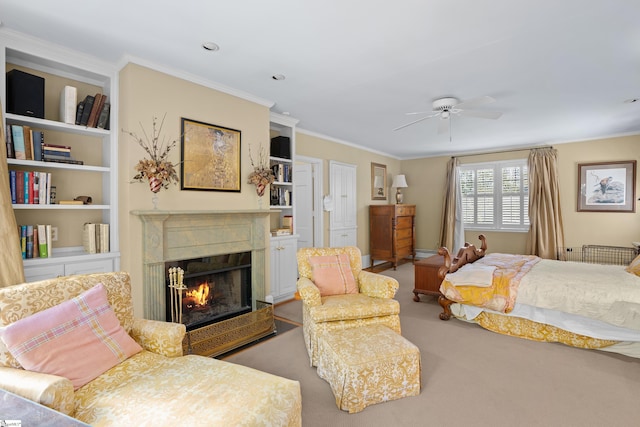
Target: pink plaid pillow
<point x="332" y="275"/>
<point x="78" y="339"/>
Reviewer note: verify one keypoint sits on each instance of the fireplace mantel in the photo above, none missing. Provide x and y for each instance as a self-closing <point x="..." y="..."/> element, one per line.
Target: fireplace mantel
<point x="182" y="234"/>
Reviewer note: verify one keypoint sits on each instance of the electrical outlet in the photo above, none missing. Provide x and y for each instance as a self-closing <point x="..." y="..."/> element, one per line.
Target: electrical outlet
<point x="54" y="234"/>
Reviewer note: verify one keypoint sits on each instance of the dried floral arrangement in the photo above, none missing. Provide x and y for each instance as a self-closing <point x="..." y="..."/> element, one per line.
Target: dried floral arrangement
<point x="262" y="174"/>
<point x="158" y="170"/>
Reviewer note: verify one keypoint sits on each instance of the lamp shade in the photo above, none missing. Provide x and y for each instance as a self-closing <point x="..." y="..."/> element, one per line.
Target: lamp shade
<point x="399" y="181"/>
<point x="377" y="182"/>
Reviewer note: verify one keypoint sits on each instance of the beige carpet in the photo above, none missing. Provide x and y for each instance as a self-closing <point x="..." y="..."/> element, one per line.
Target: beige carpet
<point x="470" y="376"/>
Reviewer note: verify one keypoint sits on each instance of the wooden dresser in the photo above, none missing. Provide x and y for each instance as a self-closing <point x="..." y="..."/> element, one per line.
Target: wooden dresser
<point x="392" y="232"/>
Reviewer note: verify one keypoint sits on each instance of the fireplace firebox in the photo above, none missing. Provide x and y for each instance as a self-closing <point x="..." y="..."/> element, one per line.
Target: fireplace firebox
<point x="216" y="288"/>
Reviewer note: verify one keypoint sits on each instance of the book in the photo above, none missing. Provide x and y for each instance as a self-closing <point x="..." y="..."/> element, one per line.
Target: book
<point x="103" y="119"/>
<point x="89" y="237"/>
<point x="104" y="238"/>
<point x="287" y="222"/>
<point x="38" y="140"/>
<point x="68" y="100"/>
<point x="70" y="202"/>
<point x="18" y="142"/>
<point x="26" y="187"/>
<point x="47" y="154"/>
<point x="35" y="188"/>
<point x="51" y="200"/>
<point x="93" y="115"/>
<point x="42" y="241"/>
<point x="23" y="240"/>
<point x="36" y="247"/>
<point x="88" y="105"/>
<point x="69" y="161"/>
<point x="20" y="187"/>
<point x="42" y="197"/>
<point x="79" y="112"/>
<point x="28" y="142"/>
<point x="49" y="247"/>
<point x="56" y="147"/>
<point x="29" y="242"/>
<point x="11" y="154"/>
<point x="12" y="186"/>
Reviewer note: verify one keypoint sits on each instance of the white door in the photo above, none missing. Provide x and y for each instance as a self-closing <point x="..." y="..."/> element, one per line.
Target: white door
<point x="343" y="217"/>
<point x="304" y="204"/>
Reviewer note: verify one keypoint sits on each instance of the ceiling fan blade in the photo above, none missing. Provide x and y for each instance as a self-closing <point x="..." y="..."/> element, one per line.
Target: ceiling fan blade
<point x="418" y="112"/>
<point x="482" y="100"/>
<point x="443" y="125"/>
<point x="415" y="121"/>
<point x="481" y="114"/>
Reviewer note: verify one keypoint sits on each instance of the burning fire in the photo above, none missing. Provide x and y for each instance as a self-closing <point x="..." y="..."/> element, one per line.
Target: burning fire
<point x="197" y="296"/>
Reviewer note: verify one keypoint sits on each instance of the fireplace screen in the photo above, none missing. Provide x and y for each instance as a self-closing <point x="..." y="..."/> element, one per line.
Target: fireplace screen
<point x="215" y="288"/>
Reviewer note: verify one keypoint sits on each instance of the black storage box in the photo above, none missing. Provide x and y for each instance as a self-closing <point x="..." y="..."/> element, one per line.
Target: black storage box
<point x="25" y="94"/>
<point x="281" y="147"/>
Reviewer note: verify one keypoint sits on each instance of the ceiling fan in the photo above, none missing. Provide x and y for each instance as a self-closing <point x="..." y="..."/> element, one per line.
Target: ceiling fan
<point x="445" y="108"/>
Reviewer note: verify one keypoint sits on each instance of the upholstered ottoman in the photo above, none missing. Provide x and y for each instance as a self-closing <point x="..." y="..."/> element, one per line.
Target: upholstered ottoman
<point x="368" y="365"/>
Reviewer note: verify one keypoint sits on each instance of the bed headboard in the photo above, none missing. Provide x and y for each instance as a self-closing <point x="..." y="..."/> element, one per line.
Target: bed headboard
<point x="466" y="255"/>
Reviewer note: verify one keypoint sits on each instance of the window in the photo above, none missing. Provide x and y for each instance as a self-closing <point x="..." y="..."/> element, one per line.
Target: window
<point x="495" y="196"/>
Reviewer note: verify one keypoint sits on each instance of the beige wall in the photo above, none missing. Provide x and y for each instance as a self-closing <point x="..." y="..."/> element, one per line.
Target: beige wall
<point x="617" y="229"/>
<point x="145" y="93"/>
<point x="313" y="146"/>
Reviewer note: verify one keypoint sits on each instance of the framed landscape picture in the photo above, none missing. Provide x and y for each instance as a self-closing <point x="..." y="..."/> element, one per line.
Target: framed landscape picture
<point x="607" y="186"/>
<point x="210" y="157"/>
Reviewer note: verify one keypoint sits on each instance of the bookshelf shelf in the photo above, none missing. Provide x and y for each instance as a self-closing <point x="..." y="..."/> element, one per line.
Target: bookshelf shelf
<point x="96" y="147"/>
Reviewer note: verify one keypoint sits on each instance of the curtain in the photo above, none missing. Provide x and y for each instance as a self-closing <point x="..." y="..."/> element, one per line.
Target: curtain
<point x="452" y="228"/>
<point x="11" y="269"/>
<point x="546" y="233"/>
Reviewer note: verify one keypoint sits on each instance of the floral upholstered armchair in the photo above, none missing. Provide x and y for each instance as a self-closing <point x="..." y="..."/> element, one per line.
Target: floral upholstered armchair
<point x="337" y="294"/>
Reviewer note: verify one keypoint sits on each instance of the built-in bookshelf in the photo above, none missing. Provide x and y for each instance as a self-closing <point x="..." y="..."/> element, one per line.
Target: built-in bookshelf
<point x="81" y="160"/>
<point x="282" y="203"/>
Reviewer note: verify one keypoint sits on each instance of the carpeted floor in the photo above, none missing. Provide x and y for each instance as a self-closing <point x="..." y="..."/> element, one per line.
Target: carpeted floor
<point x="470" y="376"/>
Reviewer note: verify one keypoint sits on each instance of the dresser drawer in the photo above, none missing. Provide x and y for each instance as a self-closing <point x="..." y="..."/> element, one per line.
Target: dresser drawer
<point x="404" y="222"/>
<point x="405" y="244"/>
<point x="408" y="210"/>
<point x="404" y="234"/>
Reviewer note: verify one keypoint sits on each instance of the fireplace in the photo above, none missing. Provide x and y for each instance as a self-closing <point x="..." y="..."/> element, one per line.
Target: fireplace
<point x="200" y="236"/>
<point x="217" y="288"/>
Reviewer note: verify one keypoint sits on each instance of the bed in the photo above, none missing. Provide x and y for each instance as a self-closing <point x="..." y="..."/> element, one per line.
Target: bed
<point x="583" y="305"/>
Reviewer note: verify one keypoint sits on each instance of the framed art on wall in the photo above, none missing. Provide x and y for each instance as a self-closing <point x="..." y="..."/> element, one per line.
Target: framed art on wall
<point x="607" y="186"/>
<point x="210" y="157"/>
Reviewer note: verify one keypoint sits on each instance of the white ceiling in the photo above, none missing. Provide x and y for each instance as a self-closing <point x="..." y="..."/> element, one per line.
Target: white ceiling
<point x="559" y="70"/>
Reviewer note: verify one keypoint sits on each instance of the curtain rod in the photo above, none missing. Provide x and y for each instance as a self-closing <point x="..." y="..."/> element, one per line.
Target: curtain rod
<point x="503" y="151"/>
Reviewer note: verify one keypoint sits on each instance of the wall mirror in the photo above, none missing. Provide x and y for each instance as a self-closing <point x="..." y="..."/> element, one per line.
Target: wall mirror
<point x="378" y="181"/>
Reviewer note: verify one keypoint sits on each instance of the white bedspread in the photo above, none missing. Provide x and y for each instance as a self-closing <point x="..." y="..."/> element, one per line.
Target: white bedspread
<point x="602" y="292"/>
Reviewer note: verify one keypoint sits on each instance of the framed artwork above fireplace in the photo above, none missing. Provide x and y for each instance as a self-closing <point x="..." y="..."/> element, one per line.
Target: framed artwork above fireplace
<point x="210" y="157"/>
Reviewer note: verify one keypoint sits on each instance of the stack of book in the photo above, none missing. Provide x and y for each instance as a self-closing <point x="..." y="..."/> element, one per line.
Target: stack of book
<point x="35" y="241"/>
<point x="95" y="238"/>
<point x="280" y="196"/>
<point x="30" y="187"/>
<point x="282" y="172"/>
<point x="25" y="143"/>
<point x="93" y="112"/>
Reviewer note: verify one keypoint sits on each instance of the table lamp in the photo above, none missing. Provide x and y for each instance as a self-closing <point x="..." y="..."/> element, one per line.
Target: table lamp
<point x="399" y="181"/>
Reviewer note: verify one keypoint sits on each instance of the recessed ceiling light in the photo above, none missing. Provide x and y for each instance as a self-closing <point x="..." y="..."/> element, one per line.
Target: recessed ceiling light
<point x="210" y="46"/>
<point x="278" y="77"/>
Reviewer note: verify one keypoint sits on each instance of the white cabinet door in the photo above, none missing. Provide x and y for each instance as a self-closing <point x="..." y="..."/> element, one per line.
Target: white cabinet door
<point x="284" y="267"/>
<point x="344" y="237"/>
<point x="87" y="267"/>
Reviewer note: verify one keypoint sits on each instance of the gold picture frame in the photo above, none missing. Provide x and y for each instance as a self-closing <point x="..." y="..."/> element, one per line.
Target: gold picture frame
<point x="607" y="186"/>
<point x="210" y="157"/>
<point x="378" y="181"/>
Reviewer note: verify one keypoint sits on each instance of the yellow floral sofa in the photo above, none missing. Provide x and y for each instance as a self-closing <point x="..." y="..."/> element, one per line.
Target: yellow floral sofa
<point x="373" y="304"/>
<point x="157" y="386"/>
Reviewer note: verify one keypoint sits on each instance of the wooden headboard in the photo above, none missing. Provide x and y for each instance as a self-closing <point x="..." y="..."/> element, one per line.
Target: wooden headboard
<point x="466" y="255"/>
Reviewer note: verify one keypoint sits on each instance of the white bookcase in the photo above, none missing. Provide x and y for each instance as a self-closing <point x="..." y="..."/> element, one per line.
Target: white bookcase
<point x="284" y="271"/>
<point x="97" y="148"/>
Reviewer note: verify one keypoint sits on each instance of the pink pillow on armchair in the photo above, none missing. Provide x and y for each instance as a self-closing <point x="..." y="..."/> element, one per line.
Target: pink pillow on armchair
<point x="332" y="275"/>
<point x="78" y="339"/>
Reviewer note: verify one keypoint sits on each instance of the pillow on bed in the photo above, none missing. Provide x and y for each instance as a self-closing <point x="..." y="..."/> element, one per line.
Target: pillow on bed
<point x="332" y="275"/>
<point x="634" y="267"/>
<point x="78" y="339"/>
<point x="472" y="275"/>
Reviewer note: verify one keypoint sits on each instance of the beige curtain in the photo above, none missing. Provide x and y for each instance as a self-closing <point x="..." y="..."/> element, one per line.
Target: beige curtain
<point x="546" y="234"/>
<point x="452" y="229"/>
<point x="11" y="270"/>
